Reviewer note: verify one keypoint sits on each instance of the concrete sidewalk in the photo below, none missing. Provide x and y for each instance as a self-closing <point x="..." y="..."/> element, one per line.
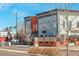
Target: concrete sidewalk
<point x="62" y="47"/>
<point x="16" y="51"/>
<point x="69" y="47"/>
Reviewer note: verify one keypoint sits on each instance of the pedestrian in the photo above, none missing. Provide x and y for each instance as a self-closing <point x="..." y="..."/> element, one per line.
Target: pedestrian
<point x="13" y="42"/>
<point x="9" y="38"/>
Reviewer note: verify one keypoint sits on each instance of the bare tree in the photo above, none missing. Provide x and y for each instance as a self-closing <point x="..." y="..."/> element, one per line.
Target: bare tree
<point x="69" y="24"/>
<point x="67" y="7"/>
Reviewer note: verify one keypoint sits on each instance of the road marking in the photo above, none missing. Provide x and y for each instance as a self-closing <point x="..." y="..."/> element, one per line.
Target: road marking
<point x="16" y="51"/>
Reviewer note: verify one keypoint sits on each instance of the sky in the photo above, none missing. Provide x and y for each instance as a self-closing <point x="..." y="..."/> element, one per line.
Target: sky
<point x="7" y="11"/>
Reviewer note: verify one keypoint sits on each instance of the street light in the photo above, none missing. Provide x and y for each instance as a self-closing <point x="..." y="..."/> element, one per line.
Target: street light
<point x="16" y="25"/>
<point x="16" y="14"/>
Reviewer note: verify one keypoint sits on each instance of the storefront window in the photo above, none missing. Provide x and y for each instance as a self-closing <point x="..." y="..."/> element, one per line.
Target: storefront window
<point x="77" y="24"/>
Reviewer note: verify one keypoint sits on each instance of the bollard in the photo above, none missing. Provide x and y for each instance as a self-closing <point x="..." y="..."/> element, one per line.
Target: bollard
<point x="36" y="44"/>
<point x="9" y="43"/>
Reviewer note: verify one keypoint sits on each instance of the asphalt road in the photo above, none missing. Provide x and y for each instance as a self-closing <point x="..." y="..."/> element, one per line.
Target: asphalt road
<point x="21" y="50"/>
<point x="13" y="50"/>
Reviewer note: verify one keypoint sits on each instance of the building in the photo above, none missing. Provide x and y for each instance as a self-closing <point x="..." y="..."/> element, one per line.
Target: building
<point x="4" y="32"/>
<point x="53" y="23"/>
<point x="28" y="25"/>
<point x="57" y="22"/>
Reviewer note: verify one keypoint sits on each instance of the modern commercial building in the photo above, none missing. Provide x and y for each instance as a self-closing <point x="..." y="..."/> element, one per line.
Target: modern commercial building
<point x="58" y="22"/>
<point x="53" y="23"/>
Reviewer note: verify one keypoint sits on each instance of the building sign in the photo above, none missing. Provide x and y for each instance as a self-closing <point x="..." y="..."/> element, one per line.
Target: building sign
<point x="34" y="24"/>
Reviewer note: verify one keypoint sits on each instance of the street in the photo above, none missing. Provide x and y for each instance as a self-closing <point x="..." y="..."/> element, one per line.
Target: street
<point x="13" y="50"/>
<point x="21" y="50"/>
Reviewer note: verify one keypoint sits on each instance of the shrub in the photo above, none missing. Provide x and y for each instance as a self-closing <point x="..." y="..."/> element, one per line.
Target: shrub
<point x="44" y="51"/>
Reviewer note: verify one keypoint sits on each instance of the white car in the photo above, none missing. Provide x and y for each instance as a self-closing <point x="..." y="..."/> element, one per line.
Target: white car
<point x="14" y="41"/>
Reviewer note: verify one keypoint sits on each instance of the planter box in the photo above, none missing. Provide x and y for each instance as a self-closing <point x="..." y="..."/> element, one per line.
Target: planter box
<point x="57" y="43"/>
<point x="2" y="39"/>
<point x="51" y="44"/>
<point x="41" y="43"/>
<point x="64" y="43"/>
<point x="77" y="43"/>
<point x="47" y="43"/>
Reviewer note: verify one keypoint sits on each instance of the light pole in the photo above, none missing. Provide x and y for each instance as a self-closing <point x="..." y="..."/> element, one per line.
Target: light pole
<point x="16" y="26"/>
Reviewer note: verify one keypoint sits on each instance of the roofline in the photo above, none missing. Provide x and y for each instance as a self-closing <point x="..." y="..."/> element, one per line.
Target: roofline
<point x="55" y="10"/>
<point x="27" y="17"/>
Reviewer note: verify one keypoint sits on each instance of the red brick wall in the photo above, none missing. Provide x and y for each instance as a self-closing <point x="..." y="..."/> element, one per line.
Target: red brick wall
<point x="2" y="39"/>
<point x="77" y="43"/>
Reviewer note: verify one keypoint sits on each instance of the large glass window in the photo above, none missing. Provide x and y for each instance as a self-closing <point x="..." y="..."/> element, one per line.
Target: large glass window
<point x="77" y="24"/>
<point x="54" y="25"/>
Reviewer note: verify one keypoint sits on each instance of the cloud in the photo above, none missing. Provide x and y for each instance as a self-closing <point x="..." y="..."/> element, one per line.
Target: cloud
<point x="4" y="6"/>
<point x="42" y="6"/>
<point x="32" y="4"/>
<point x="20" y="13"/>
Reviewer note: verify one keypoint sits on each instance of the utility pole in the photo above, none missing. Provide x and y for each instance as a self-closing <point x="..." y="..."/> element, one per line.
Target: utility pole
<point x="16" y="25"/>
<point x="68" y="27"/>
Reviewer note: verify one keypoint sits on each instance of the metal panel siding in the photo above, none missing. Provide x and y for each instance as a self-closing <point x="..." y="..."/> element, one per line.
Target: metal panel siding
<point x="28" y="27"/>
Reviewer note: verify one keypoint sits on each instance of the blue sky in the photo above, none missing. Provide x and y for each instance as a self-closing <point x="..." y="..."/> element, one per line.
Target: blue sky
<point x="7" y="11"/>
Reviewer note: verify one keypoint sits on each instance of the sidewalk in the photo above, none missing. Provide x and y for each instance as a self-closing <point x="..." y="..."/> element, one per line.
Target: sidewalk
<point x="69" y="47"/>
<point x="22" y="46"/>
<point x="61" y="47"/>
